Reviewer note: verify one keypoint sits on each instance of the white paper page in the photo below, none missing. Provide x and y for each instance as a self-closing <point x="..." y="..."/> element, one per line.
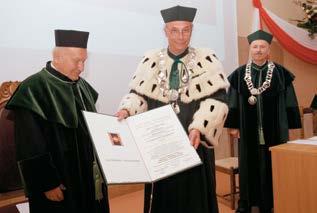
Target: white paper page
<point x="23" y="207"/>
<point x="313" y="138"/>
<point x="118" y="154"/>
<point x="163" y="142"/>
<point x="308" y="142"/>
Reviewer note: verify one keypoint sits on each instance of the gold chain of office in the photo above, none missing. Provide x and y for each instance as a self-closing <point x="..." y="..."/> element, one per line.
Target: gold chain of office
<point x="266" y="84"/>
<point x="185" y="76"/>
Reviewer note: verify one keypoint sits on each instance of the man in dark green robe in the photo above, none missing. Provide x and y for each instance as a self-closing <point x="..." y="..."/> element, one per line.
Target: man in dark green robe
<point x="54" y="151"/>
<point x="193" y="82"/>
<point x="262" y="108"/>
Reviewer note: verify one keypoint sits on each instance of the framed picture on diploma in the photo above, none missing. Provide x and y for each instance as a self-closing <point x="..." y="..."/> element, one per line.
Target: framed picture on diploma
<point x="143" y="148"/>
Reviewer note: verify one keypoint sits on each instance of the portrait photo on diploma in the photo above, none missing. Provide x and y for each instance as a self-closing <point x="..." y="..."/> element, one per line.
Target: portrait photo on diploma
<point x="115" y="139"/>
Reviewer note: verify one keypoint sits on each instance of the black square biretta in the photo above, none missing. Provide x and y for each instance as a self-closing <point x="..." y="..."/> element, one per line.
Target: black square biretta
<point x="178" y="13"/>
<point x="71" y="38"/>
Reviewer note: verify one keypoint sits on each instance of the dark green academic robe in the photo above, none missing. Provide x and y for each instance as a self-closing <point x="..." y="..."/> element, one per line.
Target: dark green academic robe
<point x="276" y="111"/>
<point x="52" y="142"/>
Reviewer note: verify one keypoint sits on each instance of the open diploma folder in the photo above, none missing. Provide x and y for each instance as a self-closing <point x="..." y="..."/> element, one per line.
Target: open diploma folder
<point x="143" y="148"/>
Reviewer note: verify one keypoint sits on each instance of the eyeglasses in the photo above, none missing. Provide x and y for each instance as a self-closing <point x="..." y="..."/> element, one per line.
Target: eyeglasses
<point x="176" y="32"/>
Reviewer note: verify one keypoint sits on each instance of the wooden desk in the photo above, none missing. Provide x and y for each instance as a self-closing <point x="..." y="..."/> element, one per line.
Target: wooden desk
<point x="294" y="178"/>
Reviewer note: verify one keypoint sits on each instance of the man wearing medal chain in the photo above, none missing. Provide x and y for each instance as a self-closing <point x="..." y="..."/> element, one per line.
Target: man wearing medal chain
<point x="262" y="108"/>
<point x="193" y="82"/>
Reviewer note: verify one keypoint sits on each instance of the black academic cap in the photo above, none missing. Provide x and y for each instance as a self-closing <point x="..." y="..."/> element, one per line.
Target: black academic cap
<point x="178" y="13"/>
<point x="71" y="38"/>
<point x="260" y="35"/>
<point x="314" y="103"/>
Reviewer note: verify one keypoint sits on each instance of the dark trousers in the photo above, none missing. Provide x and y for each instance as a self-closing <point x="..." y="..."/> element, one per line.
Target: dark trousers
<point x="264" y="195"/>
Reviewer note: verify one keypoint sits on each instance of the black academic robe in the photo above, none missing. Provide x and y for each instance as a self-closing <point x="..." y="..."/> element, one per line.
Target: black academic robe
<point x="52" y="143"/>
<point x="168" y="194"/>
<point x="276" y="111"/>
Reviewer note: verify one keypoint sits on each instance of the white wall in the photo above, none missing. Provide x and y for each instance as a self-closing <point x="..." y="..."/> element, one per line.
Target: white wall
<point x="120" y="31"/>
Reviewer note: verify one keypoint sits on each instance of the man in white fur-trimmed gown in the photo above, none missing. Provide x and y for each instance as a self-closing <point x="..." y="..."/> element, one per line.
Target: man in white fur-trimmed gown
<point x="193" y="82"/>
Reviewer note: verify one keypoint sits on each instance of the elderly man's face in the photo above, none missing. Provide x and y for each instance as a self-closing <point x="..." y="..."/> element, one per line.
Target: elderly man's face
<point x="178" y="34"/>
<point x="72" y="62"/>
<point x="259" y="51"/>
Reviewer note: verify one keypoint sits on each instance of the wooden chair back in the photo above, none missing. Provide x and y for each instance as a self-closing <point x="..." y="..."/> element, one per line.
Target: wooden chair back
<point x="9" y="175"/>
